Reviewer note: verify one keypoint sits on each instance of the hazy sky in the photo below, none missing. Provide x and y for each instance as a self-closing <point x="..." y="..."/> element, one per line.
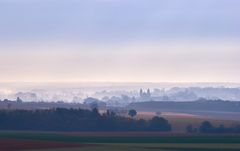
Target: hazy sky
<point x="120" y="40"/>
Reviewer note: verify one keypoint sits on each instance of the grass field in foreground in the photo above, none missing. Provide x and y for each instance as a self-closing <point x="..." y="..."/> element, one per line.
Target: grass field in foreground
<point x="165" y="138"/>
<point x="154" y="147"/>
<point x="166" y="142"/>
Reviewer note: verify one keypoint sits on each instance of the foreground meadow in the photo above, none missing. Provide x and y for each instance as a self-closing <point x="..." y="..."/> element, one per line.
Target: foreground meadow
<point x="177" y="140"/>
<point x="154" y="147"/>
<point x="116" y="141"/>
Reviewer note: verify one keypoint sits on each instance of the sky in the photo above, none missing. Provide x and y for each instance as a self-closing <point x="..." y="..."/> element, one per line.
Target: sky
<point x="119" y="41"/>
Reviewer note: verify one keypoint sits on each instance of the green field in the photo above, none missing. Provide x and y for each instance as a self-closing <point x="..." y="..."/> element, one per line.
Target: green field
<point x="155" y="147"/>
<point x="168" y="142"/>
<point x="171" y="138"/>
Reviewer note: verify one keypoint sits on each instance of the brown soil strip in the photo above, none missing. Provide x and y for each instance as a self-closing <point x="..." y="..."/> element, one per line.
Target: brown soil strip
<point x="17" y="145"/>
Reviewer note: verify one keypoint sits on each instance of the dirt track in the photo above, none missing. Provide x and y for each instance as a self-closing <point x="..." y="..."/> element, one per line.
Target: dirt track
<point x="17" y="145"/>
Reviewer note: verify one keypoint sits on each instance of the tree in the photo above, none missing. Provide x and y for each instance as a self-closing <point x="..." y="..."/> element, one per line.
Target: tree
<point x="189" y="128"/>
<point x="110" y="113"/>
<point x="132" y="112"/>
<point x="206" y="127"/>
<point x="63" y="119"/>
<point x="159" y="124"/>
<point x="95" y="113"/>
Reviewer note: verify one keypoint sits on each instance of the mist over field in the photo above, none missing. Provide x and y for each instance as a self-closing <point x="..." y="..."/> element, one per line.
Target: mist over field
<point x="77" y="92"/>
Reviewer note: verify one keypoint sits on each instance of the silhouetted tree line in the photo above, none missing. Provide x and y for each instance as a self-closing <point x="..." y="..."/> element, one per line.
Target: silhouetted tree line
<point x="207" y="127"/>
<point x="61" y="119"/>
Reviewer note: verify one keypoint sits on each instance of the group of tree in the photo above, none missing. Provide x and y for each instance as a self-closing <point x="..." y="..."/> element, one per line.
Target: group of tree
<point x="61" y="119"/>
<point x="207" y="127"/>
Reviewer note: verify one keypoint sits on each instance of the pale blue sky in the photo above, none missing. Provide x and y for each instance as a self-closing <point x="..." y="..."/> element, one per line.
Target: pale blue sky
<point x="120" y="40"/>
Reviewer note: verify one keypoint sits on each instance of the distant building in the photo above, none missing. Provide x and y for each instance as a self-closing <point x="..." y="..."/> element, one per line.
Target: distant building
<point x="19" y="100"/>
<point x="145" y="95"/>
